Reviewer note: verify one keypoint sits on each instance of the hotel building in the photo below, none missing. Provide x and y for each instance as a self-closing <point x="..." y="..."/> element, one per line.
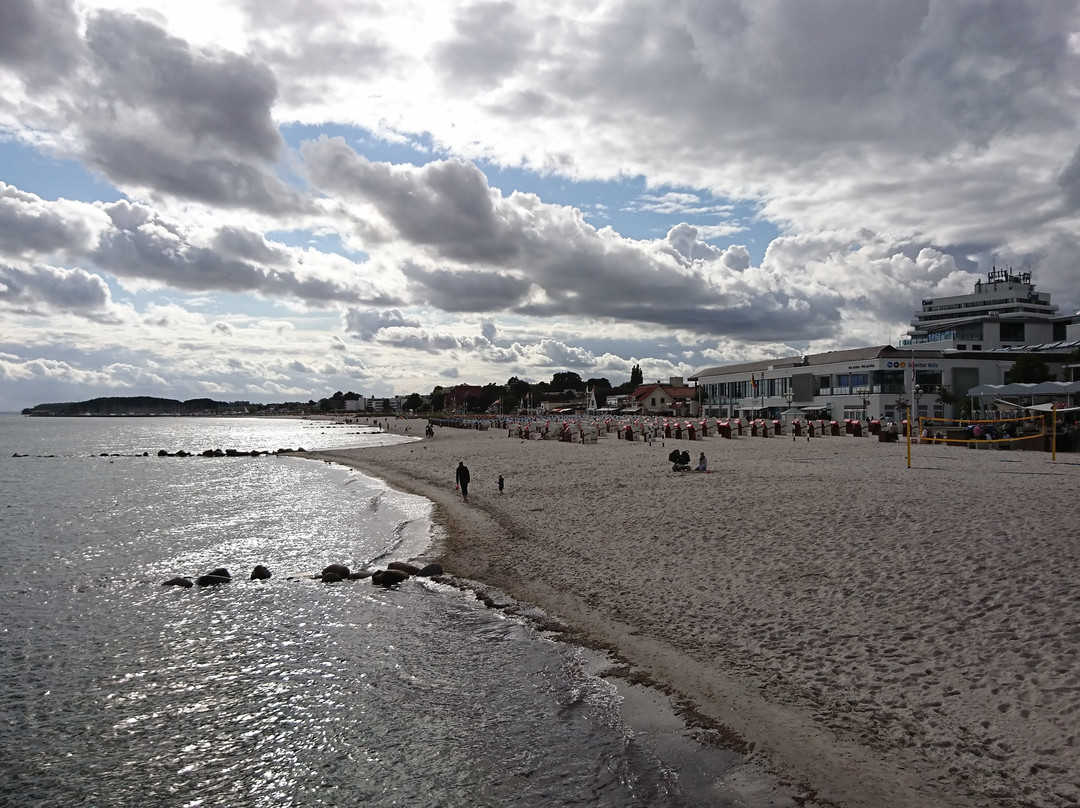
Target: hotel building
<point x="957" y="342"/>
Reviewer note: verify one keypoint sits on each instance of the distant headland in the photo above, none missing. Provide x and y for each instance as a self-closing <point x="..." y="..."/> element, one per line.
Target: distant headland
<point x="149" y="405"/>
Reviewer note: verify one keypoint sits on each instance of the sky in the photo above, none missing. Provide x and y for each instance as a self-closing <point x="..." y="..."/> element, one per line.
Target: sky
<point x="256" y="201"/>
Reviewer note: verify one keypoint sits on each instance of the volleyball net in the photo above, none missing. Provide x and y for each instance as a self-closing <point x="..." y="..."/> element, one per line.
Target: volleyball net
<point x="990" y="430"/>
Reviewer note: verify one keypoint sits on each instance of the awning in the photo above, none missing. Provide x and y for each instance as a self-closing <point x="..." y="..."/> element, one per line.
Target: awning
<point x="1050" y="408"/>
<point x="1026" y="389"/>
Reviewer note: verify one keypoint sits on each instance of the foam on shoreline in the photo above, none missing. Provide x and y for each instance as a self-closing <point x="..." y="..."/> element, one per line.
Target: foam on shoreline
<point x="878" y="635"/>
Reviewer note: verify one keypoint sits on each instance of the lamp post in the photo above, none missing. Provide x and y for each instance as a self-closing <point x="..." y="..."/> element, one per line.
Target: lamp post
<point x="788" y="395"/>
<point x="864" y="394"/>
<point x="917" y="393"/>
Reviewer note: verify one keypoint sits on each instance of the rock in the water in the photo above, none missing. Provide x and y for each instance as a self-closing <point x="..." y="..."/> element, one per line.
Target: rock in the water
<point x="389" y="578"/>
<point x="429" y="570"/>
<point x="340" y="570"/>
<point x="404" y="566"/>
<point x="260" y="573"/>
<point x="179" y="581"/>
<point x="218" y="576"/>
<point x="360" y="575"/>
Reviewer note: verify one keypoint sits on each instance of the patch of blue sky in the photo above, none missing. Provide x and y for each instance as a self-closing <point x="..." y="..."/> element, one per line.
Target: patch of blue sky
<point x="29" y="169"/>
<point x="626" y="205"/>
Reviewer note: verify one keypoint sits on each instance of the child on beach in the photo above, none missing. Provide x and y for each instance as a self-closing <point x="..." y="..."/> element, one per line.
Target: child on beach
<point x="500" y="483"/>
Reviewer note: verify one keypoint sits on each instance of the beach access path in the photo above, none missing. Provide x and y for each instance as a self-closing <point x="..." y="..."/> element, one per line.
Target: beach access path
<point x="876" y="635"/>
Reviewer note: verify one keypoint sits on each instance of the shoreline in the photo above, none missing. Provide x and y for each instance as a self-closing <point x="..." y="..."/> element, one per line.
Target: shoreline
<point x="834" y="609"/>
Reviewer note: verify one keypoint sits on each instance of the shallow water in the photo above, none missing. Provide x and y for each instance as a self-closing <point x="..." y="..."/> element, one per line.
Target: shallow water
<point x="119" y="691"/>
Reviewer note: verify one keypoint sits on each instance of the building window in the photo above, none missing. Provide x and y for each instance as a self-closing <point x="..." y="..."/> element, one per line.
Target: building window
<point x="653" y="403"/>
<point x="1012" y="332"/>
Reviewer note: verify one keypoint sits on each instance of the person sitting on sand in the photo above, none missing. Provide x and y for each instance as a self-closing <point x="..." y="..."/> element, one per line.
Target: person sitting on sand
<point x="702" y="463"/>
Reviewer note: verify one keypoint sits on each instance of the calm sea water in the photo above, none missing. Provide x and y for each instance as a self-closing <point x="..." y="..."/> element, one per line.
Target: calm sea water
<point x="117" y="691"/>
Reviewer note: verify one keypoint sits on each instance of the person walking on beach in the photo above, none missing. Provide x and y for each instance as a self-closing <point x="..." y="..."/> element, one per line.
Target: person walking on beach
<point x="500" y="483"/>
<point x="462" y="478"/>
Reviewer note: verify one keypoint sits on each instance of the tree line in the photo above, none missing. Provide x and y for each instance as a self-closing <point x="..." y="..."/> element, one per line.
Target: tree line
<point x="512" y="394"/>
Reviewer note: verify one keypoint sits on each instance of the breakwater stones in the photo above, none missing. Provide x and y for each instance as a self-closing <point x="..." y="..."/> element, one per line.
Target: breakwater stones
<point x="396" y="572"/>
<point x="227" y="452"/>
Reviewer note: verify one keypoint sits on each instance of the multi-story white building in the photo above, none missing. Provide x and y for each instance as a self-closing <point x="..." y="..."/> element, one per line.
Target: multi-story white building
<point x="1004" y="311"/>
<point x="956" y="342"/>
<point x="860" y="383"/>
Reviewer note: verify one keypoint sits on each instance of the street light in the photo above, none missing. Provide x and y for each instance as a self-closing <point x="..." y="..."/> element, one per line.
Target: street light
<point x="864" y="394"/>
<point x="917" y="392"/>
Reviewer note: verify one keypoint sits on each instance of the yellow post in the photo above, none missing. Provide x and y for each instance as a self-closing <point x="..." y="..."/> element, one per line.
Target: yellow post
<point x="909" y="437"/>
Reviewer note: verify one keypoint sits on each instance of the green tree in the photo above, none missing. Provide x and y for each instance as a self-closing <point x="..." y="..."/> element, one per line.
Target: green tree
<point x="637" y="378"/>
<point x="414" y="402"/>
<point x="599" y="383"/>
<point x="517" y="386"/>
<point x="438" y="399"/>
<point x="1029" y="369"/>
<point x="491" y="393"/>
<point x="1073" y="373"/>
<point x="567" y="380"/>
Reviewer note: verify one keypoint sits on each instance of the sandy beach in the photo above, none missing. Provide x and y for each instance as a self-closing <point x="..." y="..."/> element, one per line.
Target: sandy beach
<point x="876" y="635"/>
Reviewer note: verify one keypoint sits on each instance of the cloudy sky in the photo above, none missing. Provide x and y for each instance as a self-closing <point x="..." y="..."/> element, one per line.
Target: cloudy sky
<point x="274" y="201"/>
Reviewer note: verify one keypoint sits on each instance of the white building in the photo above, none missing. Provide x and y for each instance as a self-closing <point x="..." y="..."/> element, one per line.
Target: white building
<point x="957" y="342"/>
<point x="861" y="383"/>
<point x="1004" y="311"/>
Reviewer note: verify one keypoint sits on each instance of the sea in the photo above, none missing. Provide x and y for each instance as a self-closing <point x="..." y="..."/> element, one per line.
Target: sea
<point x="116" y="690"/>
